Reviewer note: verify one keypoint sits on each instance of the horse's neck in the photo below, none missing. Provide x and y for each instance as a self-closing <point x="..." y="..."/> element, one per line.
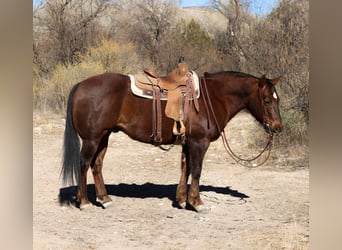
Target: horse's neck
<point x="227" y="100"/>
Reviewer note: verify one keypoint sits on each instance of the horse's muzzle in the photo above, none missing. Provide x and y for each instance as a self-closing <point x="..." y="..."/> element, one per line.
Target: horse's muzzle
<point x="275" y="128"/>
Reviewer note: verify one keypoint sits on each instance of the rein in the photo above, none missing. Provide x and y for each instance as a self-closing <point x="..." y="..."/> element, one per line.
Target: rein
<point x="241" y="161"/>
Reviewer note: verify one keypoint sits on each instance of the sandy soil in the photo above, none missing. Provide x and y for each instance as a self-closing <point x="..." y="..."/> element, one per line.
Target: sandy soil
<point x="260" y="208"/>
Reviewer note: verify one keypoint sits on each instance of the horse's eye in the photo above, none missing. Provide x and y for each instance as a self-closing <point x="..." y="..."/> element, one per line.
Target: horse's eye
<point x="267" y="102"/>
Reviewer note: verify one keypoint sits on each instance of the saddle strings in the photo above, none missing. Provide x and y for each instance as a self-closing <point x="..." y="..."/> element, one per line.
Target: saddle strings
<point x="225" y="140"/>
<point x="156" y="119"/>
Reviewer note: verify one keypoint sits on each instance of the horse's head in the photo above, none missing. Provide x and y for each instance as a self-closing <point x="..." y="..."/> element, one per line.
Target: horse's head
<point x="268" y="100"/>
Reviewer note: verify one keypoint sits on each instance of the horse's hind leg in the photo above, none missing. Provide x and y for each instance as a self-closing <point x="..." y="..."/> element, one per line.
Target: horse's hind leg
<point x="87" y="154"/>
<point x="101" y="192"/>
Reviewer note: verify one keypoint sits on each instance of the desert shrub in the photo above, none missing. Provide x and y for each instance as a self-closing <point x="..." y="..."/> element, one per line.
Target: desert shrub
<point x="54" y="91"/>
<point x="51" y="93"/>
<point x="295" y="128"/>
<point x="295" y="131"/>
<point x="114" y="57"/>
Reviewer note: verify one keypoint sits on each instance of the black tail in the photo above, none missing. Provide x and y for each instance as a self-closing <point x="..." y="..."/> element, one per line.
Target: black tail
<point x="71" y="157"/>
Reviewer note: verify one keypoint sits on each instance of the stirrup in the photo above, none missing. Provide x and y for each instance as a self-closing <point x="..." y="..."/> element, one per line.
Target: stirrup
<point x="179" y="133"/>
<point x="181" y="130"/>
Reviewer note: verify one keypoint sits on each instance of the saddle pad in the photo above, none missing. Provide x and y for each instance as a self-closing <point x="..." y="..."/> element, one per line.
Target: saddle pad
<point x="149" y="93"/>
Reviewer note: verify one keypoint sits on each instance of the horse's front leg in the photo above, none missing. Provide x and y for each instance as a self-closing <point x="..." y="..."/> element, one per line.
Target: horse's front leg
<point x="182" y="186"/>
<point x="197" y="150"/>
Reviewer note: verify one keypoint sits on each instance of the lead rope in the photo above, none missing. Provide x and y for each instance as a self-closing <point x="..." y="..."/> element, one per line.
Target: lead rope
<point x="226" y="145"/>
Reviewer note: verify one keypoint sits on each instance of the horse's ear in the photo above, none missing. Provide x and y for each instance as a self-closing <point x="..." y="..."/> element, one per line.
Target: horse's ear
<point x="275" y="80"/>
<point x="262" y="81"/>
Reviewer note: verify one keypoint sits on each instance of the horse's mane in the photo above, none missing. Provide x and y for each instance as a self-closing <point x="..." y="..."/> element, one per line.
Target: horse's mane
<point x="235" y="73"/>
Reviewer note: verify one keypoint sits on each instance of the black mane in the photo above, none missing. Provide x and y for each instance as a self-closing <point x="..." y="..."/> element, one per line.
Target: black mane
<point x="235" y="73"/>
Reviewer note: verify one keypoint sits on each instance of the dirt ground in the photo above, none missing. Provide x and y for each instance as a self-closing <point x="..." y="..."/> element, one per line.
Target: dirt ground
<point x="260" y="208"/>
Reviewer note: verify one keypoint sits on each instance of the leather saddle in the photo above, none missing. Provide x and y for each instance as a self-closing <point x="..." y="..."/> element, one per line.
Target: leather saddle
<point x="173" y="80"/>
<point x="178" y="88"/>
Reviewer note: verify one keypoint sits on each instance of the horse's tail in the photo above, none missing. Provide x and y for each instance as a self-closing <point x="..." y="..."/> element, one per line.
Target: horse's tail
<point x="71" y="156"/>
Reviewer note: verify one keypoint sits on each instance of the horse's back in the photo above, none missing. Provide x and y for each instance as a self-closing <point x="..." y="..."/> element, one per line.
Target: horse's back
<point x="103" y="83"/>
<point x="97" y="103"/>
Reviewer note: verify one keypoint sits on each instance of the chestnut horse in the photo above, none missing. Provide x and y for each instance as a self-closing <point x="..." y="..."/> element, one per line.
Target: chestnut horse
<point x="104" y="104"/>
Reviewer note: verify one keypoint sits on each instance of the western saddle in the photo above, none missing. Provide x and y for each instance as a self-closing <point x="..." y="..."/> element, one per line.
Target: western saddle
<point x="177" y="88"/>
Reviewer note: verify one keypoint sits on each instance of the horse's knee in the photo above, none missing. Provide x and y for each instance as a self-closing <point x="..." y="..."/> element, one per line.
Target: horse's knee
<point x="196" y="173"/>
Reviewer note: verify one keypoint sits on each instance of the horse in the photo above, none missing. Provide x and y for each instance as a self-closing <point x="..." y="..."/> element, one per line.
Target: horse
<point x="104" y="104"/>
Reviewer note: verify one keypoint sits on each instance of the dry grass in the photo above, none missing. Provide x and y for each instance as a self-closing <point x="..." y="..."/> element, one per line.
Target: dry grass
<point x="247" y="138"/>
<point x="51" y="93"/>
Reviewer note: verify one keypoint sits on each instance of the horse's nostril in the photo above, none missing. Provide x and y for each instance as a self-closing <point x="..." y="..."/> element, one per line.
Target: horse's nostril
<point x="278" y="129"/>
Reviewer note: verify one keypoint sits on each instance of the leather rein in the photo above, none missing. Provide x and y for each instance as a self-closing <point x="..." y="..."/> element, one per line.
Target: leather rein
<point x="242" y="161"/>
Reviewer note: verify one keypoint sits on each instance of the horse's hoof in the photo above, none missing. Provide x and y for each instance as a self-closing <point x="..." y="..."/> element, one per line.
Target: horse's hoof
<point x="182" y="204"/>
<point x="202" y="209"/>
<point x="85" y="206"/>
<point x="106" y="203"/>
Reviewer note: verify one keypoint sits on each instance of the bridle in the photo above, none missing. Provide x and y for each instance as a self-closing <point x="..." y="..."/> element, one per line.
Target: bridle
<point x="265" y="121"/>
<point x="241" y="161"/>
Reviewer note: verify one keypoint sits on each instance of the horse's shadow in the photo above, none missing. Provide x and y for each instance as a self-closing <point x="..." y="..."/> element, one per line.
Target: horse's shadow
<point x="67" y="195"/>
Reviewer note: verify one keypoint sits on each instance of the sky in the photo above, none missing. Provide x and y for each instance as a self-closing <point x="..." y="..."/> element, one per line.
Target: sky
<point x="258" y="7"/>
